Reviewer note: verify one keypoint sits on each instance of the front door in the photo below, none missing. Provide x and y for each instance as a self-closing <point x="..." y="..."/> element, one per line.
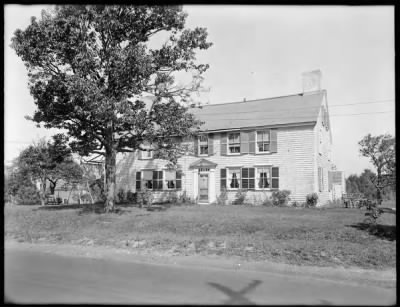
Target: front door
<point x="203" y="187"/>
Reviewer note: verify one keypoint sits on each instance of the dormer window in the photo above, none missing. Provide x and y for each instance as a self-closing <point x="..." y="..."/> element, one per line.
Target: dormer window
<point x="203" y="145"/>
<point x="234" y="143"/>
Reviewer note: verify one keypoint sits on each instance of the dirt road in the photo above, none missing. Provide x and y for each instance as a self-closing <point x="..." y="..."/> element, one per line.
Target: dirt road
<point x="35" y="275"/>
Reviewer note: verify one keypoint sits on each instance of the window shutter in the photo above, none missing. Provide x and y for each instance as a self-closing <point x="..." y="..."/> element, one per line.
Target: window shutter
<point x="323" y="115"/>
<point x="244" y="142"/>
<point x="273" y="147"/>
<point x="224" y="144"/>
<point x="275" y="178"/>
<point x="223" y="178"/>
<point x="330" y="175"/>
<point x="320" y="179"/>
<point x="179" y="180"/>
<point x="245" y="178"/>
<point x="138" y="181"/>
<point x="210" y="144"/>
<point x="252" y="178"/>
<point x="252" y="142"/>
<point x="196" y="146"/>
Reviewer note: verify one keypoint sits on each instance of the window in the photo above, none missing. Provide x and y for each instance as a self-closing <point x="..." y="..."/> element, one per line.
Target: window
<point x="263" y="141"/>
<point x="147" y="154"/>
<point x="234" y="143"/>
<point x="173" y="179"/>
<point x="203" y="144"/>
<point x="170" y="179"/>
<point x="263" y="177"/>
<point x="223" y="178"/>
<point x="157" y="180"/>
<point x="234" y="178"/>
<point x="148" y="179"/>
<point x="248" y="178"/>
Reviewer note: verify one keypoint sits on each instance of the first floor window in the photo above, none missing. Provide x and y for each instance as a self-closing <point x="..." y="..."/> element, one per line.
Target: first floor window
<point x="234" y="143"/>
<point x="203" y="144"/>
<point x="263" y="177"/>
<point x="234" y="178"/>
<point x="248" y="178"/>
<point x="157" y="180"/>
<point x="148" y="179"/>
<point x="173" y="179"/>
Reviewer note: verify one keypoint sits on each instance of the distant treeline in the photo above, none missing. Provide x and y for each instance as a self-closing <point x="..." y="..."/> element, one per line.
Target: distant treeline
<point x="364" y="184"/>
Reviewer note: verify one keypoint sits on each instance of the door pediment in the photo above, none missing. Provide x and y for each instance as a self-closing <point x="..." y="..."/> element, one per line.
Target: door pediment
<point x="203" y="163"/>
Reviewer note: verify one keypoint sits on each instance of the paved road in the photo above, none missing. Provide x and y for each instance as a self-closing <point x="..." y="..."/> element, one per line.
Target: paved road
<point x="36" y="277"/>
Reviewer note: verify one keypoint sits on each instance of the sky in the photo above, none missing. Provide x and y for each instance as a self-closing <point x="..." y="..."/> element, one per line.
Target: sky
<point x="261" y="52"/>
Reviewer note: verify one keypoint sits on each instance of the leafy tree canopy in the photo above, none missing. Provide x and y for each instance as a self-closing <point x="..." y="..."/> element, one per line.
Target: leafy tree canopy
<point x="90" y="65"/>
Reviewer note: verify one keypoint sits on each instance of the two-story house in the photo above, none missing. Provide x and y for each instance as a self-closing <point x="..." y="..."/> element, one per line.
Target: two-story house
<point x="258" y="146"/>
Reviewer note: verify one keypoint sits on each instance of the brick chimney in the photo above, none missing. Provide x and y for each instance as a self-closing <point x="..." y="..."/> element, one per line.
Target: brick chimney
<point x="312" y="81"/>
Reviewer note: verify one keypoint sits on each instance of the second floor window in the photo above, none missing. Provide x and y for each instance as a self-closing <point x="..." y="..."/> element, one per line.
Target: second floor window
<point x="234" y="143"/>
<point x="263" y="141"/>
<point x="203" y="144"/>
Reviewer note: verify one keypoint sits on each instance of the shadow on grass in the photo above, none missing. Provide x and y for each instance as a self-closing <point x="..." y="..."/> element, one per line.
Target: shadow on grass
<point x="61" y="207"/>
<point x="236" y="297"/>
<point x="387" y="232"/>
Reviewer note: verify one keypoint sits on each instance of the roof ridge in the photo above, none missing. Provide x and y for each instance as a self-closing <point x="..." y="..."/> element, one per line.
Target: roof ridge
<point x="259" y="99"/>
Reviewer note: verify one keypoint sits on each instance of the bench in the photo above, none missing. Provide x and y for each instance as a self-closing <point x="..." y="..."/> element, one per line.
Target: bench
<point x="52" y="201"/>
<point x="355" y="200"/>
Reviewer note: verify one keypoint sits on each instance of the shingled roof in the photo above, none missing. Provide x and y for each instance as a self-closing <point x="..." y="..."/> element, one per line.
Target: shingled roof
<point x="293" y="109"/>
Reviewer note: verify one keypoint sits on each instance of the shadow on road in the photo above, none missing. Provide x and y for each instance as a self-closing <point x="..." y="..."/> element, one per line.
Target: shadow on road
<point x="237" y="297"/>
<point x="387" y="232"/>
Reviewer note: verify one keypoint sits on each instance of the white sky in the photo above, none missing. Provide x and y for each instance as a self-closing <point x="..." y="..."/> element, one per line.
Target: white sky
<point x="260" y="52"/>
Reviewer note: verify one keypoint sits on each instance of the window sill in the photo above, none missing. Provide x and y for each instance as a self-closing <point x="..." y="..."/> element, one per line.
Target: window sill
<point x="233" y="154"/>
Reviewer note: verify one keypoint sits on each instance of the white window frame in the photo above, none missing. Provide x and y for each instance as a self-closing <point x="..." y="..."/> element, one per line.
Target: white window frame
<point x="269" y="167"/>
<point x="203" y="143"/>
<point x="229" y="179"/>
<point x="269" y="141"/>
<point x="228" y="144"/>
<point x="166" y="181"/>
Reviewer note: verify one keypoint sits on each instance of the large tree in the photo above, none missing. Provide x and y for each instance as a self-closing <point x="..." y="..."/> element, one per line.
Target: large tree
<point x="381" y="150"/>
<point x="89" y="66"/>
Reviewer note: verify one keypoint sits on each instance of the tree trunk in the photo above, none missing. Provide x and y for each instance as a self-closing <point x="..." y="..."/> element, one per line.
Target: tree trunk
<point x="110" y="177"/>
<point x="379" y="187"/>
<point x="52" y="187"/>
<point x="42" y="192"/>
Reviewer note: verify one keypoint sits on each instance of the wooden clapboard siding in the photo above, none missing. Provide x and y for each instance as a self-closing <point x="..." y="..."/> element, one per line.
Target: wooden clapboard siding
<point x="294" y="158"/>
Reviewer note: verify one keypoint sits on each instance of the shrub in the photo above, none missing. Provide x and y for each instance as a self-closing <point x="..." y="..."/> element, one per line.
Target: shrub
<point x="144" y="198"/>
<point x="131" y="197"/>
<point x="239" y="197"/>
<point x="298" y="204"/>
<point x="172" y="198"/>
<point x="223" y="197"/>
<point x="281" y="197"/>
<point x="267" y="202"/>
<point x="311" y="200"/>
<point x="27" y="195"/>
<point x="336" y="203"/>
<point x="121" y="195"/>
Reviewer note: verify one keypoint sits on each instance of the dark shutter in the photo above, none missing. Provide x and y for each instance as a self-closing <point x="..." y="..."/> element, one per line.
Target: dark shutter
<point x="138" y="181"/>
<point x="252" y="178"/>
<point x="273" y="141"/>
<point x="245" y="178"/>
<point x="275" y="178"/>
<point x="330" y="177"/>
<point x="224" y="144"/>
<point x="252" y="142"/>
<point x="244" y="142"/>
<point x="223" y="178"/>
<point x="196" y="146"/>
<point x="178" y="180"/>
<point x="319" y="179"/>
<point x="210" y="144"/>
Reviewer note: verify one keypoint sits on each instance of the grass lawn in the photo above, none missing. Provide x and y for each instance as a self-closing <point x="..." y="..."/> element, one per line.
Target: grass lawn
<point x="323" y="237"/>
